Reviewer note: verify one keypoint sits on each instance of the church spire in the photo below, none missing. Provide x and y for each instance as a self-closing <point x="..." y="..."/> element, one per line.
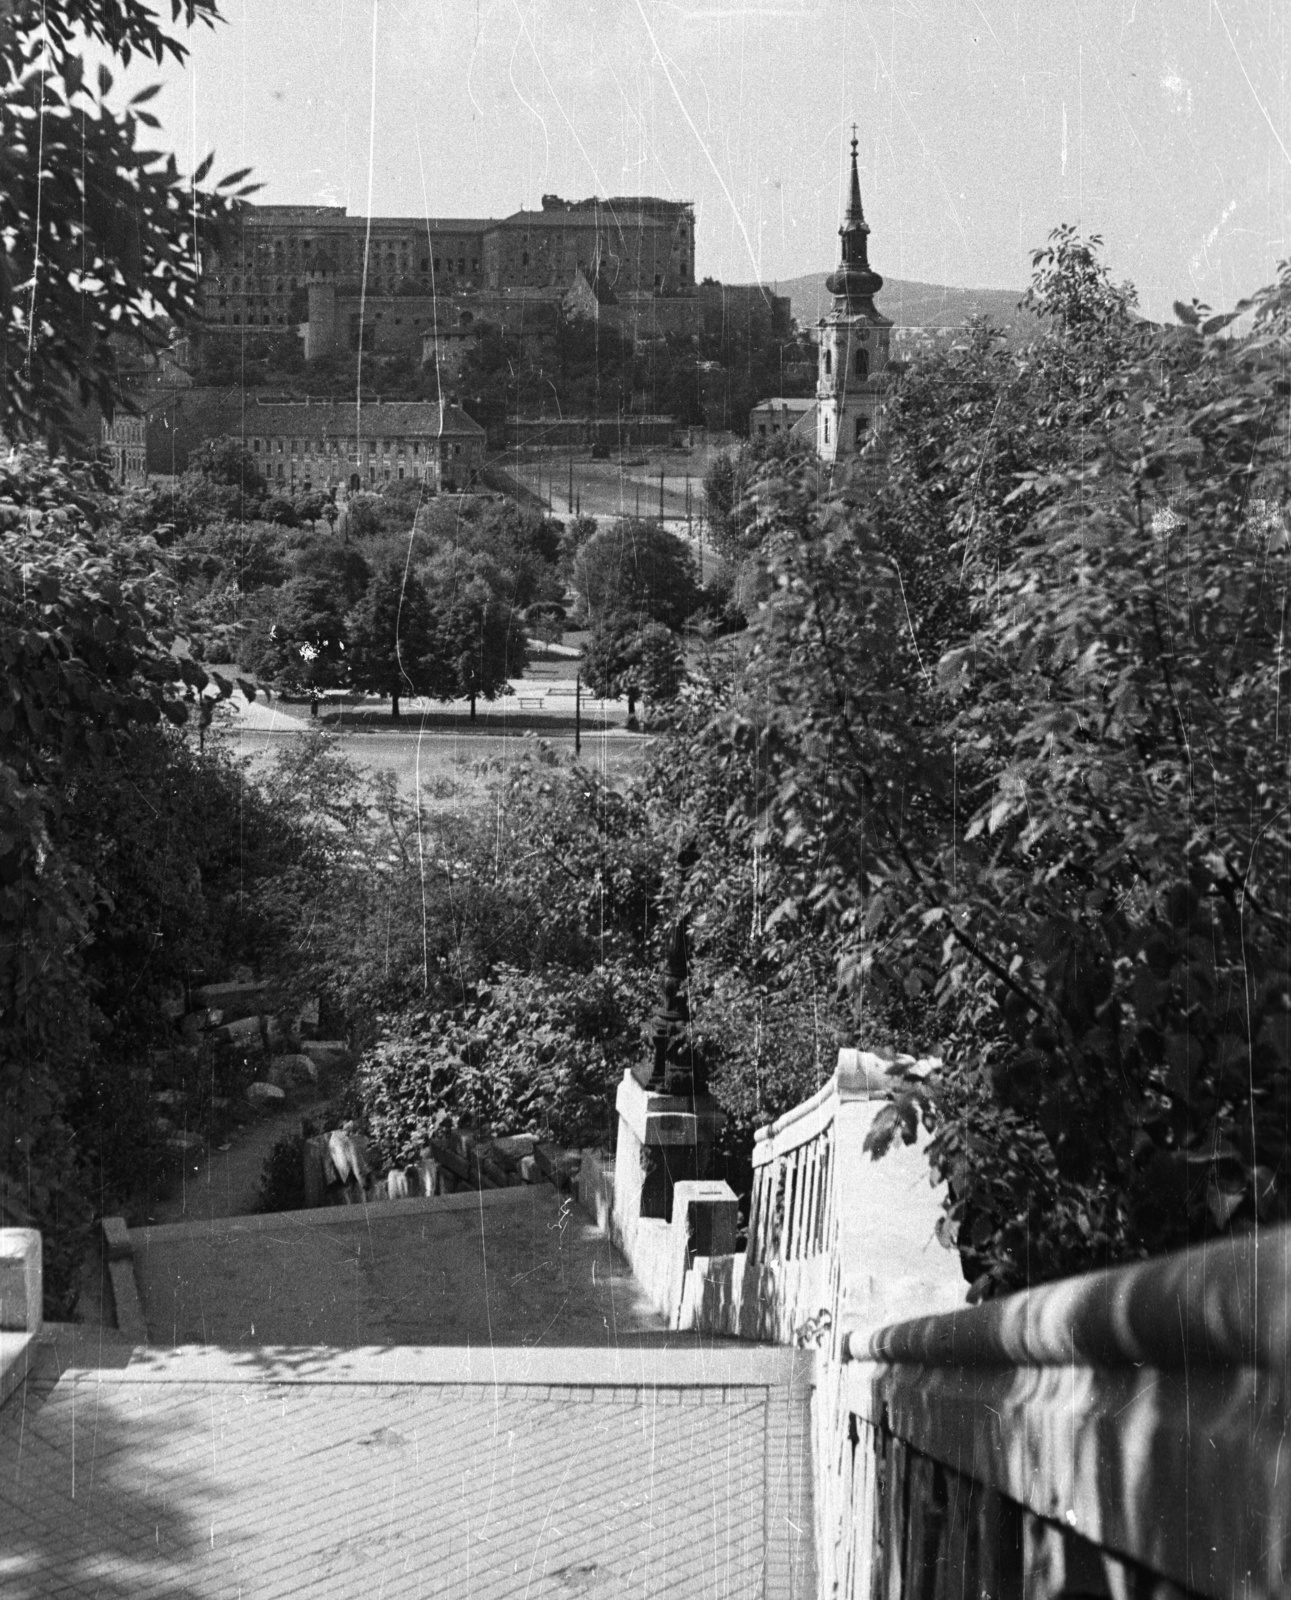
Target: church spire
<point x="855" y="212"/>
<point x="854" y="284"/>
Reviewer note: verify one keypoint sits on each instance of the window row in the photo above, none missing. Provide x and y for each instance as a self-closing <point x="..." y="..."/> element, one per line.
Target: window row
<point x="333" y="448"/>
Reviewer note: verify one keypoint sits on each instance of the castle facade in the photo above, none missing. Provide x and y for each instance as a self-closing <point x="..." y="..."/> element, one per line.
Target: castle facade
<point x="383" y="281"/>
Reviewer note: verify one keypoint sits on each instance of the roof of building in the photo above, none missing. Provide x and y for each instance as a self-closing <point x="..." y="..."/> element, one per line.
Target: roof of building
<point x="387" y="419"/>
<point x="603" y="216"/>
<point x="791" y="403"/>
<point x="277" y="216"/>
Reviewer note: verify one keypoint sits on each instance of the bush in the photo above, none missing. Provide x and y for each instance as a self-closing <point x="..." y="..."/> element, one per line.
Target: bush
<point x="282" y="1182"/>
<point x="534" y="1053"/>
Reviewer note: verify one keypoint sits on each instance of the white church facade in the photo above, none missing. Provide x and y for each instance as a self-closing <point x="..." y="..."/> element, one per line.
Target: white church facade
<point x="854" y="338"/>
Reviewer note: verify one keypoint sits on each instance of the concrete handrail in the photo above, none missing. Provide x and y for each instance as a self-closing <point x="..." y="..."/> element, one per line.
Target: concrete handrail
<point x="1224" y="1303"/>
<point x="858" y="1075"/>
<point x="795" y="1114"/>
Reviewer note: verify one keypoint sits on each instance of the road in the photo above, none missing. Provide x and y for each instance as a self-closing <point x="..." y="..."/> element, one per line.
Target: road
<point x="442" y="764"/>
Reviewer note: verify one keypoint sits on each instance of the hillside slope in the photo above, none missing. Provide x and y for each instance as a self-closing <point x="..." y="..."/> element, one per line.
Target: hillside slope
<point x="917" y="305"/>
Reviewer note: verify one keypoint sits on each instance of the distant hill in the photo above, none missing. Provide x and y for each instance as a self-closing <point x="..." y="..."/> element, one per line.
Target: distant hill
<point x="918" y="305"/>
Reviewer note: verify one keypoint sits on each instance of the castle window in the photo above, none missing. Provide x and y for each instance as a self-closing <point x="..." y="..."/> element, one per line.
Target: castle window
<point x="461" y="264"/>
<point x="436" y="263"/>
<point x="425" y="264"/>
<point x="826" y="430"/>
<point x="861" y="363"/>
<point x="862" y="427"/>
<point x="524" y="259"/>
<point x="829" y="367"/>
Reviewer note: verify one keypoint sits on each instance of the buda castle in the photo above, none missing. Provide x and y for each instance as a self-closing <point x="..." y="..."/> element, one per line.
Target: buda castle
<point x="393" y="283"/>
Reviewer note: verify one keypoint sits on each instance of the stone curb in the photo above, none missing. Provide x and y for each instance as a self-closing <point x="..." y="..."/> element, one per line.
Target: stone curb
<point x="684" y="1365"/>
<point x="16" y="1351"/>
<point x="126" y="1306"/>
<point x="333" y="1216"/>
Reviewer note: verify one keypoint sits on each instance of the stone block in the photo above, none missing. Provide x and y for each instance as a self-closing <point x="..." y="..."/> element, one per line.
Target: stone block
<point x="244" y="1032"/>
<point x="326" y="1052"/>
<point x="709" y="1212"/>
<point x="235" y="1000"/>
<point x="260" y="1094"/>
<point x="21" y="1280"/>
<point x="560" y="1167"/>
<point x="116" y="1239"/>
<point x="513" y="1149"/>
<point x="530" y="1170"/>
<point x="665" y="1119"/>
<point x="349" y="1155"/>
<point x="292" y="1071"/>
<point x="396" y="1184"/>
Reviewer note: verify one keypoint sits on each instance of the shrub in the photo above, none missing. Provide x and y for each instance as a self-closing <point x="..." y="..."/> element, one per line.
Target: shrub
<point x="282" y="1182"/>
<point x="532" y="1053"/>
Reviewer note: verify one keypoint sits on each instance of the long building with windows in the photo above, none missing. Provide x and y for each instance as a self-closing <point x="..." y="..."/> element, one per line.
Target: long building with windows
<point x="323" y="444"/>
<point x="380" y="279"/>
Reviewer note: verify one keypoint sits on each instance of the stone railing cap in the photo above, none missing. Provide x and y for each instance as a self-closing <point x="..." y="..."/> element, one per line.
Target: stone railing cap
<point x="1217" y="1304"/>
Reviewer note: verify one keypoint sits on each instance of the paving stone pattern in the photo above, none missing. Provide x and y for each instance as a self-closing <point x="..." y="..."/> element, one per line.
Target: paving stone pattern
<point x="251" y="1488"/>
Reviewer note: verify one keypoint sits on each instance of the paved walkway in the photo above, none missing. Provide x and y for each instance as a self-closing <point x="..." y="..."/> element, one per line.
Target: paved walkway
<point x="465" y="1397"/>
<point x="506" y="1266"/>
<point x="480" y="1473"/>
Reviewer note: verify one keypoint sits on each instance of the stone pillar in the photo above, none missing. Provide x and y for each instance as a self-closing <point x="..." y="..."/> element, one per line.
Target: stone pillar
<point x="663" y="1140"/>
<point x="21" y="1280"/>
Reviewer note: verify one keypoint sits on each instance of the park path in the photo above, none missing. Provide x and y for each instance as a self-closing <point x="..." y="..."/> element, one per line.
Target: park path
<point x="226" y="1182"/>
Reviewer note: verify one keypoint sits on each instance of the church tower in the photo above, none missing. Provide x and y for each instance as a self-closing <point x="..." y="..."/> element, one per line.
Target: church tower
<point x="854" y="343"/>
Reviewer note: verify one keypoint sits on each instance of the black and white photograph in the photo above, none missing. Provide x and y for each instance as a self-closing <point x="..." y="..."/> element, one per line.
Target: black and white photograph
<point x="645" y="800"/>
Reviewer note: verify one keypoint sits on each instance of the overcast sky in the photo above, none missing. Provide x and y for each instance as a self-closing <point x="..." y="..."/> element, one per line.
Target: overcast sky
<point x="1164" y="125"/>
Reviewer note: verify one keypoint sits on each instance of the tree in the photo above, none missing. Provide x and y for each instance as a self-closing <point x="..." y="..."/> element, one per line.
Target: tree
<point x="230" y="463"/>
<point x="1020" y="758"/>
<point x="305" y="647"/>
<point x="393" y="648"/>
<point x="101" y="238"/>
<point x="92" y="663"/>
<point x="479" y="643"/>
<point x="624" y="658"/>
<point x="656" y="665"/>
<point x="605" y="657"/>
<point x="636" y="569"/>
<point x="338" y="564"/>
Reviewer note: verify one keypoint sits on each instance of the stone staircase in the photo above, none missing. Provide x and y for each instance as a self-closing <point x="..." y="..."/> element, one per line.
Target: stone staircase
<point x="464" y="1395"/>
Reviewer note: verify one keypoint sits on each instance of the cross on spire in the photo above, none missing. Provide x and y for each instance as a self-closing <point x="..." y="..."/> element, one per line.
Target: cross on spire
<point x="855" y="213"/>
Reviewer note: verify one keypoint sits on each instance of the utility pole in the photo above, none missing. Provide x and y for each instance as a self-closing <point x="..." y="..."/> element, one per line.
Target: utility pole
<point x="578" y="713"/>
<point x="571" y="478"/>
<point x="661" y="497"/>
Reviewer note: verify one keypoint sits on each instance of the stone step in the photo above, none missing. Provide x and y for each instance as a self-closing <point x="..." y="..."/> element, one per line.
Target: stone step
<point x="671" y="1360"/>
